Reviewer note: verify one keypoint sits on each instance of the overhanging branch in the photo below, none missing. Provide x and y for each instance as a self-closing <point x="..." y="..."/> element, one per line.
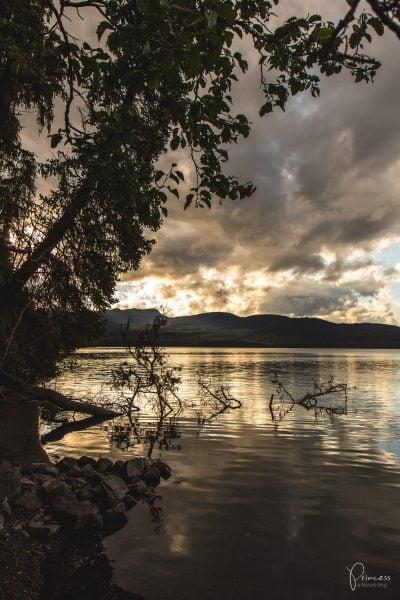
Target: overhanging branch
<point x="384" y="17"/>
<point x="56" y="398"/>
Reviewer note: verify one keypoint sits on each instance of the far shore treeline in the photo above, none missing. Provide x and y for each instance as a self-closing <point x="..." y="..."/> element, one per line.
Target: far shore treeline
<point x="221" y="329"/>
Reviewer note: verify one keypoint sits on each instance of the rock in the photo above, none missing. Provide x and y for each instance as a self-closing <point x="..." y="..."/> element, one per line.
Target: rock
<point x="89" y="517"/>
<point x="77" y="483"/>
<point x="151" y="477"/>
<point x="43" y="469"/>
<point x="42" y="477"/>
<point x="5" y="507"/>
<point x="55" y="488"/>
<point x="66" y="463"/>
<point x="43" y="530"/>
<point x="1" y="522"/>
<point x="28" y="483"/>
<point x="117" y="466"/>
<point x="113" y="489"/>
<point x="114" y="518"/>
<point x="86" y="493"/>
<point x="28" y="501"/>
<point x="87" y="460"/>
<point x="162" y="467"/>
<point x="129" y="502"/>
<point x="5" y="467"/>
<point x="137" y="489"/>
<point x="10" y="481"/>
<point x="21" y="531"/>
<point x="89" y="473"/>
<point x="134" y="467"/>
<point x="104" y="465"/>
<point x="78" y="514"/>
<point x="64" y="503"/>
<point x="74" y="471"/>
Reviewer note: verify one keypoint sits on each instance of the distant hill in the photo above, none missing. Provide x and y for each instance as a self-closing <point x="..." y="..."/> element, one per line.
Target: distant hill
<point x="268" y="331"/>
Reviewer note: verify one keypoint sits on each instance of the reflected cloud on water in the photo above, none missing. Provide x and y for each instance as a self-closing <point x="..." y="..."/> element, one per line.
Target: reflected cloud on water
<point x="253" y="499"/>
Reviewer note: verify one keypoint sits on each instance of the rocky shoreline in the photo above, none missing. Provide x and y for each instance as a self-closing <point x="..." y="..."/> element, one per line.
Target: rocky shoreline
<point x="50" y="512"/>
<point x="75" y="495"/>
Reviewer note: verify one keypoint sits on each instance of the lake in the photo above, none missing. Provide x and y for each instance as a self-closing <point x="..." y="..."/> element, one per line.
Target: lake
<point x="258" y="507"/>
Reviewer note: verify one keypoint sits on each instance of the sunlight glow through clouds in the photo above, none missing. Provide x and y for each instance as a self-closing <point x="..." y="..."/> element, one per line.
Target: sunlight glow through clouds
<point x="321" y="236"/>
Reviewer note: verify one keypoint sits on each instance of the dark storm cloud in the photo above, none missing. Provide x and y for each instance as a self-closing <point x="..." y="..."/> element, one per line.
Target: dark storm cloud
<point x="301" y="263"/>
<point x="326" y="176"/>
<point x="327" y="182"/>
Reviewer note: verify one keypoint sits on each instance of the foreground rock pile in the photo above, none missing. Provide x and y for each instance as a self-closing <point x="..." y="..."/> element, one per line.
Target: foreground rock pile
<point x="76" y="495"/>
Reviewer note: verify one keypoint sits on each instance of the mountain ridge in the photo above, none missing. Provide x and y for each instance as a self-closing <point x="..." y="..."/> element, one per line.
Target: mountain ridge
<point x="261" y="330"/>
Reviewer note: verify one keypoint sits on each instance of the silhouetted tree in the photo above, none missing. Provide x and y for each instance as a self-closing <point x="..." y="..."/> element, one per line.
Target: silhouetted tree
<point x="159" y="78"/>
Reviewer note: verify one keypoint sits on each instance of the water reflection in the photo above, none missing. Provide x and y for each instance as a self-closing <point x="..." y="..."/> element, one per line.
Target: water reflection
<point x="254" y="510"/>
<point x="162" y="433"/>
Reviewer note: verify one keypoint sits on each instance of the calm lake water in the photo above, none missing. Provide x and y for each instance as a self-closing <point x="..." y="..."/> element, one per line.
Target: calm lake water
<point x="256" y="508"/>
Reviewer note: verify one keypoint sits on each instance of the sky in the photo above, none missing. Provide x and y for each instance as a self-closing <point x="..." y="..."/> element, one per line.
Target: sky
<point x="321" y="235"/>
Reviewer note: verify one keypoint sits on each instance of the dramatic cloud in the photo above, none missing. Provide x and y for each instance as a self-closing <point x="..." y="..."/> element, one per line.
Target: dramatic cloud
<point x="327" y="203"/>
<point x="319" y="236"/>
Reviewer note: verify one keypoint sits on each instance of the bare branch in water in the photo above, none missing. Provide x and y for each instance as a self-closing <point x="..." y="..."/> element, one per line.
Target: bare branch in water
<point x="218" y="400"/>
<point x="147" y="378"/>
<point x="286" y="401"/>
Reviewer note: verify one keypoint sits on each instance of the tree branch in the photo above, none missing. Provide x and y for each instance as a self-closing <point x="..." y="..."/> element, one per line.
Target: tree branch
<point x="47" y="395"/>
<point x="384" y="17"/>
<point x="83" y="4"/>
<point x="54" y="235"/>
<point x="57" y="434"/>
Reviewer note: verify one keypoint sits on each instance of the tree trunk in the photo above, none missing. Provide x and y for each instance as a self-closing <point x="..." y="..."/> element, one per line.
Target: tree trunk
<point x="19" y="433"/>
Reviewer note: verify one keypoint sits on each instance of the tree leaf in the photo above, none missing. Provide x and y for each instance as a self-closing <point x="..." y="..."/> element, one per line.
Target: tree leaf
<point x="55" y="140"/>
<point x="377" y="25"/>
<point x="266" y="108"/>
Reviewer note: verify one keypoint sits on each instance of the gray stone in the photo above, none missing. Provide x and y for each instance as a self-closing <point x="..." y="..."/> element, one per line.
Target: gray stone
<point x="74" y="471"/>
<point x="47" y="518"/>
<point x="27" y="483"/>
<point x="44" y="530"/>
<point x="64" y="503"/>
<point x="134" y="467"/>
<point x="28" y="501"/>
<point x="151" y="477"/>
<point x="137" y="489"/>
<point x="55" y="488"/>
<point x="89" y="473"/>
<point x="1" y="522"/>
<point x="113" y="489"/>
<point x="5" y="507"/>
<point x="77" y="483"/>
<point x="78" y="514"/>
<point x="129" y="502"/>
<point x="42" y="477"/>
<point x="114" y="518"/>
<point x="88" y="517"/>
<point x="86" y="493"/>
<point x="21" y="531"/>
<point x="67" y="463"/>
<point x="87" y="460"/>
<point x="117" y="467"/>
<point x="162" y="467"/>
<point x="10" y="481"/>
<point x="104" y="465"/>
<point x="44" y="469"/>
